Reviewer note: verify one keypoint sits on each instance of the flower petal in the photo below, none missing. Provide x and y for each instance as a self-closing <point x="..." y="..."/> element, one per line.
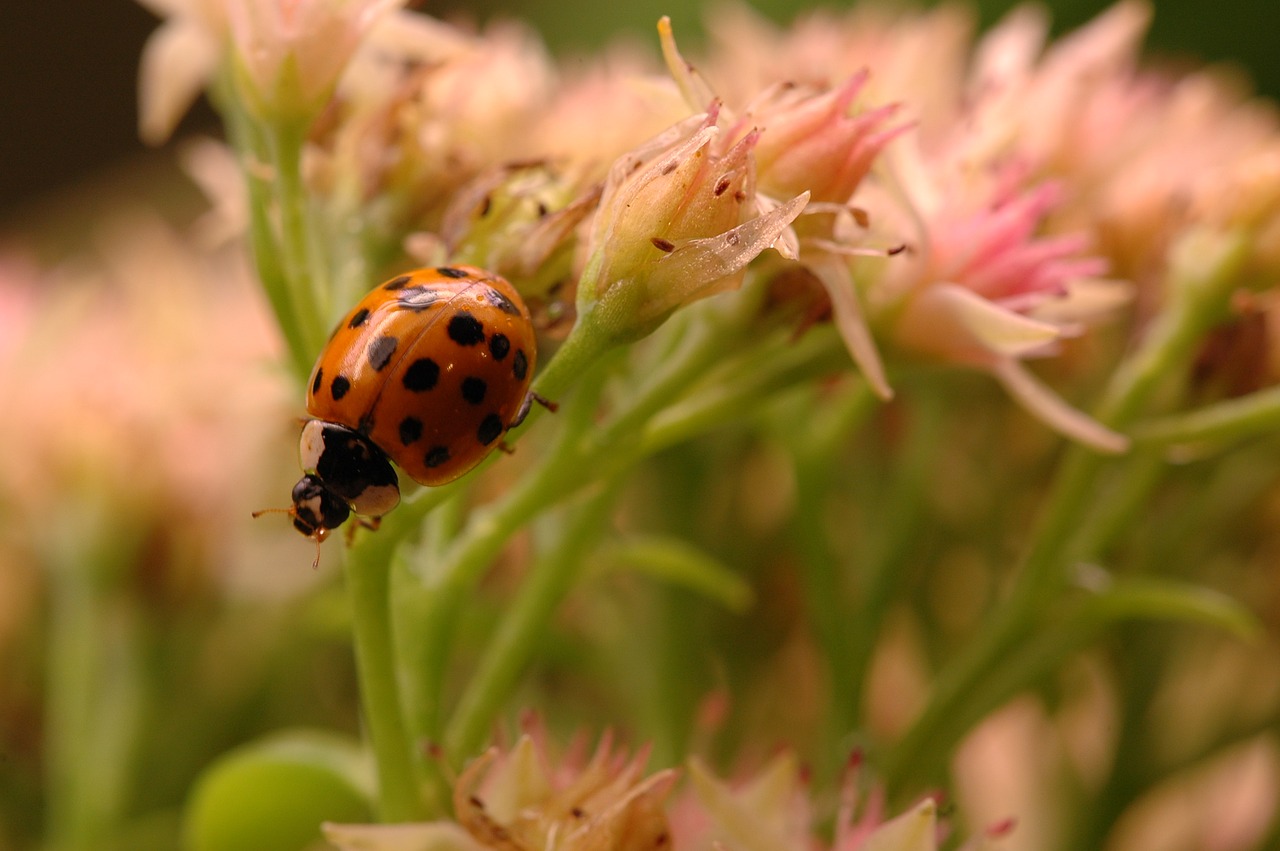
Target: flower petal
<point x="914" y="830"/>
<point x="1050" y="409"/>
<point x="701" y="267"/>
<point x="948" y="319"/>
<point x="176" y="61"/>
<point x="851" y="321"/>
<point x="431" y="836"/>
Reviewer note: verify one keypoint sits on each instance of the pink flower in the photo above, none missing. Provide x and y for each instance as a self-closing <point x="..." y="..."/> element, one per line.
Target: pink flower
<point x="984" y="288"/>
<point x="816" y="141"/>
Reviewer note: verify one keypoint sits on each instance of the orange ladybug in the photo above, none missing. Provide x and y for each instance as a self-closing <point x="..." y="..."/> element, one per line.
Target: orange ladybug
<point x="429" y="370"/>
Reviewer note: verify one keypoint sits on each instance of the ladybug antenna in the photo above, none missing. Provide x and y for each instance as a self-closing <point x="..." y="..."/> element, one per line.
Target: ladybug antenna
<point x="292" y="511"/>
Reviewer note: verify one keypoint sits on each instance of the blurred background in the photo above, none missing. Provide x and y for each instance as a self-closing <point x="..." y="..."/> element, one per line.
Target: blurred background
<point x="67" y="81"/>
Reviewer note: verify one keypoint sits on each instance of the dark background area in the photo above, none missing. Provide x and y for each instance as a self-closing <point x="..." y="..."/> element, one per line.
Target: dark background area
<point x="69" y="68"/>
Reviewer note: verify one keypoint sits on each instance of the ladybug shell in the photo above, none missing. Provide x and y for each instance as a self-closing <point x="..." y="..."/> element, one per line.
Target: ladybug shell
<point x="431" y="366"/>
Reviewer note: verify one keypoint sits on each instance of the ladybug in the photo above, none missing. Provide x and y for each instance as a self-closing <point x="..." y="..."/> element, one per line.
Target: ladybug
<point x="429" y="371"/>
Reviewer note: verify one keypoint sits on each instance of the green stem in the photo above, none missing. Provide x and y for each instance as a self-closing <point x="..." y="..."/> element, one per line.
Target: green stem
<point x="513" y="645"/>
<point x="885" y="568"/>
<point x="583" y="453"/>
<point x="94" y="700"/>
<point x="764" y="371"/>
<point x="1233" y="419"/>
<point x="1206" y="269"/>
<point x="306" y="273"/>
<point x="399" y="780"/>
<point x="253" y="152"/>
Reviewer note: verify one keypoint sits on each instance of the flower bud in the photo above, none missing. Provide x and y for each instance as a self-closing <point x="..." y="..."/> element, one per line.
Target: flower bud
<point x="670" y="229"/>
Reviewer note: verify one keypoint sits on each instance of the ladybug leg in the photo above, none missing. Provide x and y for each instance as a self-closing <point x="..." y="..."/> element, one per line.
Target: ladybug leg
<point x="527" y="405"/>
<point x="370" y="523"/>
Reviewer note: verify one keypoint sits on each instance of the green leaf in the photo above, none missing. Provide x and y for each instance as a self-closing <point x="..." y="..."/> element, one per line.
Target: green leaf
<point x="274" y="794"/>
<point x="680" y="563"/>
<point x="1164" y="599"/>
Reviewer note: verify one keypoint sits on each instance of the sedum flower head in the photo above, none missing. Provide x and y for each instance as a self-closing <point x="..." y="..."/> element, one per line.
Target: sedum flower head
<point x="669" y="229"/>
<point x="522" y="799"/>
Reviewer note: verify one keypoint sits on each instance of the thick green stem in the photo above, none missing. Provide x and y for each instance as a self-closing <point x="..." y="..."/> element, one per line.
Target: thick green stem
<point x="399" y="780"/>
<point x="513" y="645"/>
<point x="306" y="274"/>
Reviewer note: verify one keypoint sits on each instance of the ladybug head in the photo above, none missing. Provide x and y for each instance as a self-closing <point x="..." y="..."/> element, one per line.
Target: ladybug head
<point x="316" y="509"/>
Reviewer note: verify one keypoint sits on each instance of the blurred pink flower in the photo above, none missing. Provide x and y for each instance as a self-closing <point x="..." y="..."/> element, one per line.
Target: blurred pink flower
<point x="285" y="56"/>
<point x="147" y="399"/>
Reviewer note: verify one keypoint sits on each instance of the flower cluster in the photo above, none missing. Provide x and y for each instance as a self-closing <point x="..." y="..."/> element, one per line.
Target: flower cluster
<point x="954" y="210"/>
<point x="524" y="798"/>
<point x="820" y="241"/>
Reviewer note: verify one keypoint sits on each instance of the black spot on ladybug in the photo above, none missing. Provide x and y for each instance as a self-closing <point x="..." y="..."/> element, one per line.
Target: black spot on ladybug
<point x="451" y="272"/>
<point x="490" y="429"/>
<point x="473" y="389"/>
<point x="397" y="283"/>
<point x="316" y="382"/>
<point x="419" y="298"/>
<point x="499" y="345"/>
<point x="421" y="375"/>
<point x="520" y="365"/>
<point x="410" y="430"/>
<point x="436" y="456"/>
<point x="358" y="318"/>
<point x="339" y="387"/>
<point x="500" y="301"/>
<point x="380" y="352"/>
<point x="465" y="329"/>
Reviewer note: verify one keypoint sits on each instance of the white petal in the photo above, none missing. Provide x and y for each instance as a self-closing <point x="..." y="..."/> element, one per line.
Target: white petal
<point x="914" y="830"/>
<point x="987" y="325"/>
<point x="431" y="836"/>
<point x="692" y="270"/>
<point x="851" y="321"/>
<point x="1087" y="298"/>
<point x="1050" y="409"/>
<point x="176" y="62"/>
